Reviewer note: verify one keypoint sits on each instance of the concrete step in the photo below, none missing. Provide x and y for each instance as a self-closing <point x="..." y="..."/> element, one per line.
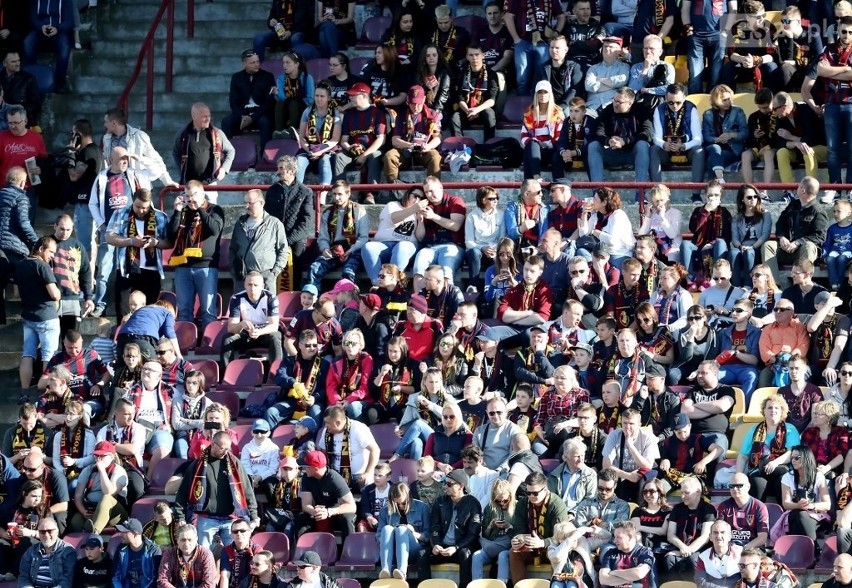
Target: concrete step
<point x="182" y="65"/>
<point x="221" y="27"/>
<point x="126" y="51"/>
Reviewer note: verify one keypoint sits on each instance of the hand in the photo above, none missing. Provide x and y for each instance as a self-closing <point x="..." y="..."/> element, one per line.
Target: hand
<point x="528" y="224"/>
<point x="830" y="376"/>
<point x="361" y="159"/>
<point x="770" y="467"/>
<point x="699" y="468"/>
<point x="36" y="171"/>
<point x="534" y="542"/>
<point x="180" y="203"/>
<point x="747" y="61"/>
<point x="4" y="33"/>
<point x="805" y="148"/>
<point x="95" y="390"/>
<point x="685" y="552"/>
<point x="567" y="155"/>
<point x="723" y="138"/>
<point x="616" y="142"/>
<point x="245" y="121"/>
<point x="320" y="513"/>
<point x="221" y="174"/>
<point x="67" y="461"/>
<point x="88" y="307"/>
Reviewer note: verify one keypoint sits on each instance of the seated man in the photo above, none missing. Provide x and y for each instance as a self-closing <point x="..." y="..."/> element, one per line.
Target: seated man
<point x="495" y="436"/>
<point x="28" y="433"/>
<point x="718" y="564"/>
<point x="565" y="76"/>
<point x="174" y="368"/>
<point x="651" y="76"/>
<point x="578" y="129"/>
<point x="741" y="344"/>
<point x="751" y="56"/>
<point x="746" y="515"/>
<point x="630" y="451"/>
<point x="475" y="89"/>
<point x="709" y="403"/>
<point x="440" y="230"/>
<point x="250" y="99"/>
<point x="443" y="297"/>
<point x="321" y="319"/>
<point x="787" y="335"/>
<point x="362" y="135"/>
<point x="677" y="136"/>
<point x="527" y="304"/>
<point x="622" y="137"/>
<point x="583" y="291"/>
<point x="621" y="300"/>
<point x="343" y="232"/>
<point x="450" y="38"/>
<point x="630" y="563"/>
<point x="628" y="366"/>
<point x="804" y="292"/>
<point x="689" y="531"/>
<point x="796" y="49"/>
<point x="153" y="401"/>
<point x="253" y="321"/>
<point x="415" y="138"/>
<point x="51" y="26"/>
<point x="800" y="136"/>
<point x="187" y="559"/>
<point x="606" y="77"/>
<point x="556" y="274"/>
<point x="302" y="380"/>
<point x="135" y="546"/>
<point x="842" y="572"/>
<point x="599" y="513"/>
<point x="283" y="501"/>
<point x="420" y="332"/>
<point x="686" y="454"/>
<point x="89" y="373"/>
<point x="525" y="219"/>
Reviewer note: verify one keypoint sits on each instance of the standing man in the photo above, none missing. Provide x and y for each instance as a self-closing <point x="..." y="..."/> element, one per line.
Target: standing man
<point x="526" y="21"/>
<point x="195" y="229"/>
<point x="344" y="231"/>
<point x="81" y="179"/>
<point x="73" y="274"/>
<point x="214" y="490"/>
<point x="258" y="243"/>
<point x="702" y="23"/>
<point x="351" y="447"/>
<point x="40" y="297"/>
<point x="17" y="236"/>
<point x="292" y="203"/>
<point x="834" y="69"/>
<point x="201" y="151"/>
<point x="19" y="144"/>
<point x="141" y="153"/>
<point x="253" y="321"/>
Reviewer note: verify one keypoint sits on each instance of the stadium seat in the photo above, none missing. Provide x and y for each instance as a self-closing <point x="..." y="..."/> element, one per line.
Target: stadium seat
<point x="548" y="465"/>
<point x="318" y="68"/>
<point x="739" y="407"/>
<point x="754" y="414"/>
<point x="211" y="340"/>
<point x="825" y="564"/>
<point x="737" y="441"/>
<point x="325" y="544"/>
<point x="143" y="509"/>
<point x="243" y="373"/>
<point x="115" y="542"/>
<point x="227" y="398"/>
<point x="345" y="582"/>
<point x="488" y="583"/>
<point x="372" y="31"/>
<point x="456" y="143"/>
<point x="386" y="438"/>
<point x="472" y="23"/>
<point x="387" y="583"/>
<point x="164" y="470"/>
<point x="289" y="303"/>
<point x="360" y="553"/>
<point x="210" y="369"/>
<point x="774" y="511"/>
<point x="245" y="154"/>
<point x="530" y="583"/>
<point x="224" y="267"/>
<point x="187" y="336"/>
<point x="273" y="150"/>
<point x="283" y="434"/>
<point x="678" y="584"/>
<point x="76" y="541"/>
<point x="196" y="308"/>
<point x="357" y="64"/>
<point x="745" y="101"/>
<point x="404" y="470"/>
<point x="701" y="101"/>
<point x="277" y="543"/>
<point x="244" y="434"/>
<point x="273" y="369"/>
<point x="797" y="551"/>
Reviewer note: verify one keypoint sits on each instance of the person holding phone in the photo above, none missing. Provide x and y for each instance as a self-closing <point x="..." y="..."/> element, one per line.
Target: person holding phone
<point x="216" y="418"/>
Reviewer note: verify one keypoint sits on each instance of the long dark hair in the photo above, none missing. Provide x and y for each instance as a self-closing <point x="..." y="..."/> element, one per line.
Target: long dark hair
<point x="809" y="468"/>
<point x="300" y="62"/>
<point x="758" y="207"/>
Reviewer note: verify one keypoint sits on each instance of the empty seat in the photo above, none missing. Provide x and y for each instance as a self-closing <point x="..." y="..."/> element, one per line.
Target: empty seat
<point x="244" y="433"/>
<point x="164" y="470"/>
<point x="76" y="541"/>
<point x="187" y="336"/>
<point x="273" y="66"/>
<point x="115" y="542"/>
<point x="209" y="368"/>
<point x="143" y="509"/>
<point x="515" y="108"/>
<point x="211" y="340"/>
<point x="289" y="303"/>
<point x="360" y="553"/>
<point x="273" y="369"/>
<point x="342" y="582"/>
<point x="325" y="544"/>
<point x="357" y="64"/>
<point x="283" y="434"/>
<point x="797" y="551"/>
<point x="273" y="150"/>
<point x="548" y="465"/>
<point x="404" y="470"/>
<point x="472" y="23"/>
<point x="386" y="438"/>
<point x="372" y="31"/>
<point x="245" y="154"/>
<point x="318" y="68"/>
<point x="227" y="398"/>
<point x="277" y="543"/>
<point x="243" y="373"/>
<point x="825" y="565"/>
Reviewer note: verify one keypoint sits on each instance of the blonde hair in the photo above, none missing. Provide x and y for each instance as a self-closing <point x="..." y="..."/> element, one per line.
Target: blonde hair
<point x="427" y="461"/>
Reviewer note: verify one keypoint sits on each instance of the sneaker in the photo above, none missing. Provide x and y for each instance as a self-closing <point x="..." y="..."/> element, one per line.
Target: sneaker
<point x="788" y="196"/>
<point x="384" y="574"/>
<point x="472" y="290"/>
<point x="98" y="312"/>
<point x="280" y="134"/>
<point x="828" y="197"/>
<point x="721" y="180"/>
<point x="697" y="199"/>
<point x="765" y="197"/>
<point x="23" y="398"/>
<point x="88" y="526"/>
<point x="399" y="574"/>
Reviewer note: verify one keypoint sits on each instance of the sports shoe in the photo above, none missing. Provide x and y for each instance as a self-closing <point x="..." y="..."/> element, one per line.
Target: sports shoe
<point x="88" y="526"/>
<point x="697" y="199"/>
<point x="765" y="197"/>
<point x="399" y="574"/>
<point x="98" y="311"/>
<point x="384" y="574"/>
<point x="828" y="197"/>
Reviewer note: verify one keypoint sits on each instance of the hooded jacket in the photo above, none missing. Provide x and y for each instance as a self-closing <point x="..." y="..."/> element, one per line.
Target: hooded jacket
<point x="16" y="232"/>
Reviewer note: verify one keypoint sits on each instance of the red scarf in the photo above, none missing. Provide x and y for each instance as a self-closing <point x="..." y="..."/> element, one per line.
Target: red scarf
<point x="72" y="447"/>
<point x="758" y="442"/>
<point x="199" y="487"/>
<point x="164" y="400"/>
<point x="190" y="237"/>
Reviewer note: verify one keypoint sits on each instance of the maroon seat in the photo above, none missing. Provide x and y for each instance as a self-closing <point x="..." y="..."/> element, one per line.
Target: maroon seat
<point x="404" y="470"/>
<point x="371" y="33"/>
<point x="289" y="303"/>
<point x="548" y="465"/>
<point x="187" y="336"/>
<point x="277" y="543"/>
<point x="76" y="541"/>
<point x="211" y="340"/>
<point x="257" y="397"/>
<point x="227" y="398"/>
<point x="273" y="150"/>
<point x="825" y="565"/>
<point x="357" y="64"/>
<point x="245" y="154"/>
<point x="273" y="369"/>
<point x="283" y="434"/>
<point x="243" y="432"/>
<point x="273" y="66"/>
<point x="515" y="108"/>
<point x="196" y="308"/>
<point x="797" y="551"/>
<point x="143" y="509"/>
<point x="224" y="246"/>
<point x="115" y="542"/>
<point x="164" y="470"/>
<point x="324" y="544"/>
<point x="386" y="438"/>
<point x="318" y="68"/>
<point x="342" y="582"/>
<point x="243" y="373"/>
<point x="209" y="368"/>
<point x="360" y="553"/>
<point x="774" y="511"/>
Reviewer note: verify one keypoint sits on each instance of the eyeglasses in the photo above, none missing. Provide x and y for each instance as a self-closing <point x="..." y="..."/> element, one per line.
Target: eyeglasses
<point x="606" y="488"/>
<point x="748" y="565"/>
<point x="783" y="309"/>
<point x="449" y="417"/>
<point x="350" y="343"/>
<point x="779" y="107"/>
<point x="495" y="412"/>
<point x="495" y="199"/>
<point x="445" y="344"/>
<point x="737" y="486"/>
<point x="47" y="531"/>
<point x="674" y="102"/>
<point x="450" y="483"/>
<point x="788" y="20"/>
<point x="844" y="33"/>
<point x="750" y="197"/>
<point x="240" y="532"/>
<point x="310" y="345"/>
<point x="502" y="501"/>
<point x="536" y="492"/>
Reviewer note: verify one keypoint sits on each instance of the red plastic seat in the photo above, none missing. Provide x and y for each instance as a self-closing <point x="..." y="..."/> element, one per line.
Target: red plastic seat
<point x="289" y="303"/>
<point x="825" y="565"/>
<point x="196" y="309"/>
<point x="386" y="438"/>
<point x="143" y="509"/>
<point x="257" y="397"/>
<point x="76" y="541"/>
<point x="115" y="542"/>
<point x="342" y="582"/>
<point x="273" y="369"/>
<point x="797" y="551"/>
<point x="371" y="33"/>
<point x="515" y="108"/>
<point x="243" y="373"/>
<point x="774" y="511"/>
<point x="324" y="544"/>
<point x="243" y="432"/>
<point x="404" y="470"/>
<point x="227" y="398"/>
<point x="224" y="256"/>
<point x="187" y="336"/>
<point x="283" y="434"/>
<point x="210" y="369"/>
<point x="273" y="150"/>
<point x="548" y="465"/>
<point x="357" y="64"/>
<point x="211" y="340"/>
<point x="245" y="154"/>
<point x="164" y="470"/>
<point x="277" y="543"/>
<point x="360" y="553"/>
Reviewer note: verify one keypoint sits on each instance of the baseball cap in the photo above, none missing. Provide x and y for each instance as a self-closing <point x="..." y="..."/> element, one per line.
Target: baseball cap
<point x="288" y="462"/>
<point x="561" y="182"/>
<point x="315" y="459"/>
<point x="359" y="88"/>
<point x="583" y="346"/>
<point x="104" y="448"/>
<point x="260" y="425"/>
<point x="416" y="95"/>
<point x="617" y="40"/>
<point x="822" y="297"/>
<point x="419" y="304"/>
<point x="130" y="526"/>
<point x="310" y="289"/>
<point x="654" y="370"/>
<point x="343" y="285"/>
<point x="308" y="422"/>
<point x="309" y="558"/>
<point x="94" y="540"/>
<point x="543" y="85"/>
<point x="371" y="301"/>
<point x="459" y="477"/>
<point x="681" y="422"/>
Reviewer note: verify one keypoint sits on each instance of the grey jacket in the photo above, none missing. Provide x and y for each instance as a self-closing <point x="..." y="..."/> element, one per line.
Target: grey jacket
<point x="266" y="252"/>
<point x="62" y="562"/>
<point x="586" y="488"/>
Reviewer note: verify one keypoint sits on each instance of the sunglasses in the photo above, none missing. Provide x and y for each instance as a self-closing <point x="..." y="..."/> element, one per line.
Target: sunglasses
<point x="495" y="199"/>
<point x="787" y="21"/>
<point x="350" y="343"/>
<point x="495" y="412"/>
<point x="674" y="102"/>
<point x="449" y="417"/>
<point x="577" y="272"/>
<point x="536" y="492"/>
<point x="259" y="432"/>
<point x="749" y="197"/>
<point x="445" y="344"/>
<point x="240" y="532"/>
<point x="450" y="483"/>
<point x="606" y="488"/>
<point x="783" y="309"/>
<point x="310" y="345"/>
<point x="47" y="531"/>
<point x="845" y="373"/>
<point x="737" y="486"/>
<point x="737" y="310"/>
<point x="694" y="318"/>
<point x="30" y="470"/>
<point x="650" y="491"/>
<point x="162" y="351"/>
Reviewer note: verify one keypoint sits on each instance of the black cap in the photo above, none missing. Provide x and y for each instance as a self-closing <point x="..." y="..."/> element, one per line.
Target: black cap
<point x="459" y="477"/>
<point x="653" y="369"/>
<point x="93" y="541"/>
<point x="309" y="558"/>
<point x="561" y="182"/>
<point x="130" y="526"/>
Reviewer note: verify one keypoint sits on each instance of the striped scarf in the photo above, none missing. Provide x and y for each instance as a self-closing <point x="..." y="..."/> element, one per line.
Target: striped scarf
<point x="199" y="486"/>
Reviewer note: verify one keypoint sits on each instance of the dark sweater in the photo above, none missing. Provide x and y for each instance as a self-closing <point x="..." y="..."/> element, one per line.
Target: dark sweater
<point x="212" y="223"/>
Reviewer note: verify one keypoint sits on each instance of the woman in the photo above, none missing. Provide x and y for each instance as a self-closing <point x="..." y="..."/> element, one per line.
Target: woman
<point x="392" y="288"/>
<point x="483" y="230"/>
<point x="499" y="520"/>
<point x="540" y="130"/>
<point x="804" y="494"/>
<point x="766" y="449"/>
<point x="148" y="323"/>
<point x="710" y="225"/>
<point x="293" y="91"/>
<point x="672" y="300"/>
<point x="25" y="511"/>
<point x="127" y="375"/>
<point x="347" y="299"/>
<point x="448" y="440"/>
<point x="348" y="380"/>
<point x="403" y="531"/>
<point x="605" y="221"/>
<point x="101" y="495"/>
<point x="558" y="407"/>
<point x="402" y="37"/>
<point x="724" y="129"/>
<point x="434" y="75"/>
<point x="750" y="230"/>
<point x="423" y="411"/>
<point x="216" y="418"/>
<point x="449" y="359"/>
<point x="694" y="344"/>
<point x="763" y="293"/>
<point x="800" y="394"/>
<point x="73" y="443"/>
<point x="386" y="79"/>
<point x="664" y="222"/>
<point x="829" y="442"/>
<point x="503" y="275"/>
<point x="395" y="240"/>
<point x="651" y="518"/>
<point x="656" y="339"/>
<point x="319" y="134"/>
<point x="335" y="25"/>
<point x="840" y="395"/>
<point x="396" y="380"/>
<point x="187" y="408"/>
<point x="340" y="80"/>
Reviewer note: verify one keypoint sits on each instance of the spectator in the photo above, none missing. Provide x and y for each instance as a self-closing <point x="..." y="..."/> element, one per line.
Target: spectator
<point x="101" y="500"/>
<point x="572" y="149"/>
<point x="786" y="335"/>
<point x="71" y="266"/>
<point x="542" y="124"/>
<point x="651" y="76"/>
<point x="253" y="321"/>
<point x="804" y="291"/>
<point x="837" y="249"/>
<point x="621" y="300"/>
<point x="397" y="541"/>
<point x="402" y="35"/>
<point x="800" y="394"/>
<point x="717" y="565"/>
<point x="250" y="98"/>
<point x="137" y="143"/>
<point x="719" y="299"/>
<point x="19" y="86"/>
<point x="751" y="55"/>
<point x="335" y="26"/>
<point x="499" y="49"/>
<point x="319" y="135"/>
<point x="187" y="559"/>
<point x="435" y="77"/>
<point x="724" y="131"/>
<point x="664" y="223"/>
<point x="258" y="243"/>
<point x="362" y="135"/>
<point x="343" y="233"/>
<point x="386" y="79"/>
<point x="475" y="90"/>
<point x="650" y="518"/>
<point x="740" y="342"/>
<point x="209" y="157"/>
<point x="630" y="561"/>
<point x="293" y="91"/>
<point x="441" y="232"/>
<point x="415" y="138"/>
<point x="282" y="493"/>
<point x="833" y="61"/>
<point x="564" y="76"/>
<point x="51" y="26"/>
<point x="263" y="571"/>
<point x="340" y="81"/>
<point x="18" y="144"/>
<point x="55" y="495"/>
<point x="605" y="211"/>
<point x="352" y="446"/>
<point x="599" y="513"/>
<point x="689" y="530"/>
<point x="746" y="515"/>
<point x="153" y="401"/>
<point x="499" y="519"/>
<point x="677" y="136"/>
<point x="702" y="26"/>
<point x="584" y="33"/>
<point x="25" y="511"/>
<point x="81" y="177"/>
<point x="805" y="494"/>
<point x="451" y="39"/>
<point x="750" y="230"/>
<point x="709" y="404"/>
<point x="604" y="79"/>
<point x="799" y="136"/>
<point x="308" y="368"/>
<point x="829" y="332"/>
<point x="137" y="555"/>
<point x="347" y="383"/>
<point x="842" y="568"/>
<point x="495" y="437"/>
<point x="828" y="441"/>
<point x="290" y="23"/>
<point x="307" y="573"/>
<point x="292" y="203"/>
<point x="236" y="559"/>
<point x="29" y="432"/>
<point x="327" y="500"/>
<point x="762" y="128"/>
<point x="128" y="437"/>
<point x="51" y="553"/>
<point x="526" y="23"/>
<point x="629" y="451"/>
<point x="146" y="326"/>
<point x="710" y="226"/>
<point x="17" y="236"/>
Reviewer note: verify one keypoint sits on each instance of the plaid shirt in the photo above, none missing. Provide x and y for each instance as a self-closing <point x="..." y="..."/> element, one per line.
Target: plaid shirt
<point x="554" y="405"/>
<point x="824" y="450"/>
<point x="204" y="572"/>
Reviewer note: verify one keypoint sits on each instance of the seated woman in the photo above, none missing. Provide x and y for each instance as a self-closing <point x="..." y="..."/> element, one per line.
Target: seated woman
<point x="724" y="130"/>
<point x="434" y="75"/>
<point x="387" y="80"/>
<point x="764" y="293"/>
<point x="651" y="518"/>
<point x="402" y="37"/>
<point x="101" y="495"/>
<point x="392" y="288"/>
<point x="348" y="380"/>
<point x="664" y="222"/>
<point x="540" y="129"/>
<point x="162" y="529"/>
<point x="655" y="338"/>
<point x="187" y="408"/>
<point x="446" y="443"/>
<point x="403" y="532"/>
<point x="828" y="441"/>
<point x="340" y="80"/>
<point x="502" y="276"/>
<point x="395" y="380"/>
<point x="450" y="360"/>
<point x="710" y="225"/>
<point x="616" y="230"/>
<point x="672" y="300"/>
<point x="216" y="418"/>
<point x="750" y="230"/>
<point x="335" y="25"/>
<point x="557" y="410"/>
<point x="499" y="520"/>
<point x="484" y="228"/>
<point x="293" y="91"/>
<point x="73" y="444"/>
<point x="126" y="375"/>
<point x="395" y="240"/>
<point x="319" y="134"/>
<point x="423" y="412"/>
<point x="805" y="495"/>
<point x="693" y="344"/>
<point x="25" y="511"/>
<point x="766" y="449"/>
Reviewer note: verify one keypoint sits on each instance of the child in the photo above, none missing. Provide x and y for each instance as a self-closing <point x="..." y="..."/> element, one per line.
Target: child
<point x="94" y="570"/>
<point x="681" y="452"/>
<point x="837" y="250"/>
<point x="103" y="343"/>
<point x="474" y="405"/>
<point x="524" y="415"/>
<point x="568" y="556"/>
<point x="762" y="127"/>
<point x="374" y="498"/>
<point x="136" y="300"/>
<point x="260" y="455"/>
<point x="426" y="488"/>
<point x="308" y="296"/>
<point x="305" y="429"/>
<point x="587" y="376"/>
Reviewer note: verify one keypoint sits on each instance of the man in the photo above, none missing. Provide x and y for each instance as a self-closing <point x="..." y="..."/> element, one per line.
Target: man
<point x="50" y="561"/>
<point x="376" y="324"/>
<point x="51" y="27"/>
<point x="495" y="436"/>
<point x="800" y="136"/>
<point x="677" y="136"/>
<point x="420" y="332"/>
<point x="55" y="486"/>
<point x="253" y="321"/>
<point x="344" y="230"/>
<point x="39" y="301"/>
<point x="829" y="332"/>
<point x="81" y="178"/>
<point x="720" y="298"/>
<point x="525" y="218"/>
<point x="629" y="452"/>
<point x="572" y="480"/>
<point x="538" y="513"/>
<point x="468" y="328"/>
<point x="251" y="100"/>
<point x="139" y="235"/>
<point x="476" y="89"/>
<point x="322" y="320"/>
<point x="307" y="368"/>
<point x="201" y="151"/>
<point x="800" y="229"/>
<point x="174" y="366"/>
<point x="499" y="49"/>
<point x="751" y="52"/>
<point x="689" y="530"/>
<point x="605" y="78"/>
<point x="415" y="137"/>
<point x="440" y="230"/>
<point x="456" y="525"/>
<point x="290" y="24"/>
<point x="450" y="39"/>
<point x="751" y="564"/>
<point x="17" y="236"/>
<point x="650" y="76"/>
<point x="599" y="513"/>
<point x="258" y="243"/>
<point x="137" y="560"/>
<point x="90" y="373"/>
<point x="583" y="290"/>
<point x="19" y="86"/>
<point x="804" y="291"/>
<point x="662" y="407"/>
<point x="583" y="33"/>
<point x="645" y="251"/>
<point x="565" y="76"/>
<point x="362" y="136"/>
<point x="137" y="143"/>
<point x="527" y="304"/>
<point x="717" y="566"/>
<point x="152" y="398"/>
<point x="627" y="366"/>
<point x="562" y="215"/>
<point x="351" y="446"/>
<point x="214" y="489"/>
<point x="740" y="342"/>
<point x="841" y="572"/>
<point x="19" y="144"/>
<point x="293" y="204"/>
<point x="833" y="71"/>
<point x="526" y="21"/>
<point x="73" y="274"/>
<point x="195" y="230"/>
<point x="747" y="517"/>
<point x="687" y="454"/>
<point x="327" y="501"/>
<point x="630" y="563"/>
<point x="443" y="297"/>
<point x="787" y="335"/>
<point x="702" y="23"/>
<point x="187" y="560"/>
<point x="21" y="437"/>
<point x="480" y="478"/>
<point x="128" y="436"/>
<point x="622" y="137"/>
<point x="236" y="558"/>
<point x="709" y="404"/>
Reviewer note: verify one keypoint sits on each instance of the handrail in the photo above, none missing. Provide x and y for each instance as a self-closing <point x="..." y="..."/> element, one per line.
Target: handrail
<point x="167" y="7"/>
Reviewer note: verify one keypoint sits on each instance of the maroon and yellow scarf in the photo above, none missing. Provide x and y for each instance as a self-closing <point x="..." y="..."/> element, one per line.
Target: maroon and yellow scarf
<point x="189" y="237"/>
<point x="758" y="441"/>
<point x="199" y="487"/>
<point x="134" y="254"/>
<point x="349" y="231"/>
<point x="22" y="440"/>
<point x="345" y="464"/>
<point x="71" y="444"/>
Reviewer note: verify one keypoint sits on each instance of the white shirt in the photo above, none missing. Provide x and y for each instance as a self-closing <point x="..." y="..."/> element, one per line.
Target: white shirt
<point x="480" y="485"/>
<point x="360" y="438"/>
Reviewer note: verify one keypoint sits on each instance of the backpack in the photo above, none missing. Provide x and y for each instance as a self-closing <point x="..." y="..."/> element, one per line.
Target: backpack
<point x="505" y="152"/>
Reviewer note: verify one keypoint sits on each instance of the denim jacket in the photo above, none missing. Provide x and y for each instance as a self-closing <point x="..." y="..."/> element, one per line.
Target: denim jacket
<point x="418" y="517"/>
<point x="62" y="562"/>
<point x="735" y="122"/>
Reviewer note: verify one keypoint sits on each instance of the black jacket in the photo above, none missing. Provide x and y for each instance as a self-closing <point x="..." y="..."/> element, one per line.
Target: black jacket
<point x="809" y="224"/>
<point x="257" y="86"/>
<point x="572" y="81"/>
<point x="668" y="407"/>
<point x="294" y="206"/>
<point x="377" y="333"/>
<point x="16" y="232"/>
<point x="468" y="521"/>
<point x="212" y="223"/>
<point x="22" y="88"/>
<point x="303" y="15"/>
<point x="630" y="126"/>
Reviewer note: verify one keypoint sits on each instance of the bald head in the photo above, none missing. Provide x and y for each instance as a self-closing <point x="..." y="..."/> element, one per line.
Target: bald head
<point x="118" y="159"/>
<point x="843" y="568"/>
<point x="200" y="116"/>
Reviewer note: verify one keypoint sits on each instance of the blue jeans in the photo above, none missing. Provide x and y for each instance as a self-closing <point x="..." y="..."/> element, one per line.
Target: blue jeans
<point x="208" y="527"/>
<point x="283" y="411"/>
<point x="444" y="254"/>
<point x="104" y="263"/>
<point x="330" y="38"/>
<point x="375" y="253"/>
<point x="744" y="376"/>
<point x="397" y="542"/>
<point x="414" y="439"/>
<point x="181" y="447"/>
<point x="700" y="48"/>
<point x="639" y="155"/>
<point x="192" y="281"/>
<point x="616" y="29"/>
<point x="533" y="154"/>
<point x="60" y="44"/>
<point x="474" y="262"/>
<point x="322" y="165"/>
<point x="718" y="157"/>
<point x="837" y="263"/>
<point x="44" y="333"/>
<point x="742" y="263"/>
<point x="838" y="128"/>
<point x="527" y="59"/>
<point x="84" y="225"/>
<point x="354" y="410"/>
<point x="298" y="42"/>
<point x="480" y="558"/>
<point x="323" y="265"/>
<point x="688" y="249"/>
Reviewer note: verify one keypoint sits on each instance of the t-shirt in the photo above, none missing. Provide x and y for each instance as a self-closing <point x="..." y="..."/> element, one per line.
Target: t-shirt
<point x="615" y="559"/>
<point x="401" y="231"/>
<point x="93" y="574"/>
<point x="134" y="567"/>
<point x="242" y="309"/>
<point x="747" y="521"/>
<point x="360" y="438"/>
<point x="621" y="457"/>
<point x="328" y="490"/>
<point x="798" y="491"/>
<point x="435" y="234"/>
<point x="688" y="522"/>
<point x="33" y="275"/>
<point x="803" y="303"/>
<point x="792" y="439"/>
<point x="363" y="126"/>
<point x="80" y="191"/>
<point x="717" y="423"/>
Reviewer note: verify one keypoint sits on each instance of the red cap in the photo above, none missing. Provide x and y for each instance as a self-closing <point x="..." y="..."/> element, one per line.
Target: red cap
<point x="416" y="95"/>
<point x="315" y="459"/>
<point x="617" y="40"/>
<point x="104" y="448"/>
<point x="359" y="88"/>
<point x="372" y="301"/>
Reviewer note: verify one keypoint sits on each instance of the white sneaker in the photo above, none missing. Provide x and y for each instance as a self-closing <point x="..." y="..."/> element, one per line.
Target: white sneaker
<point x="384" y="574"/>
<point x="399" y="574"/>
<point x="828" y="196"/>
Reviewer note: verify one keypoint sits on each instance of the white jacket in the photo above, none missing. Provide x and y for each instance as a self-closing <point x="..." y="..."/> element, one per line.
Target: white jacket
<point x="139" y="144"/>
<point x="141" y="178"/>
<point x="260" y="460"/>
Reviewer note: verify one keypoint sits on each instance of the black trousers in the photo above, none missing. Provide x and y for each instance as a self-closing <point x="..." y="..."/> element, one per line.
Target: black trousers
<point x="763" y="484"/>
<point x="146" y="281"/>
<point x="344" y="524"/>
<point x="8" y="261"/>
<point x="461" y="557"/>
<point x="233" y="344"/>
